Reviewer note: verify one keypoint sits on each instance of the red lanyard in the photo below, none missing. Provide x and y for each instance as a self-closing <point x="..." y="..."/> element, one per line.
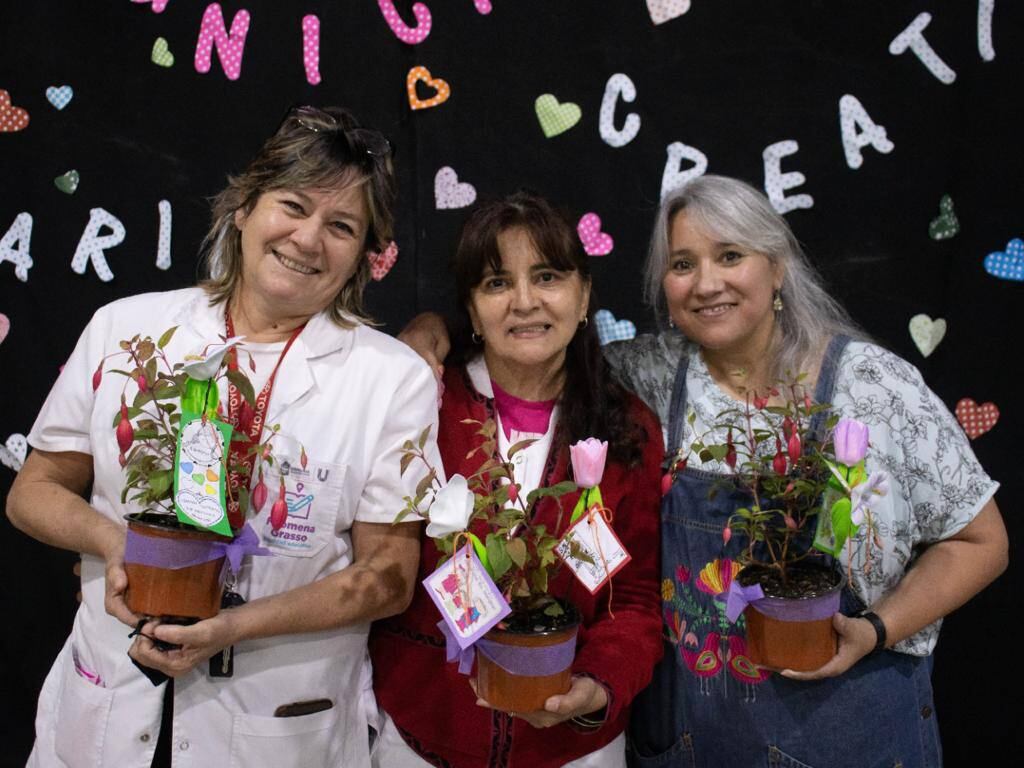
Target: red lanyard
<point x="249" y="422"/>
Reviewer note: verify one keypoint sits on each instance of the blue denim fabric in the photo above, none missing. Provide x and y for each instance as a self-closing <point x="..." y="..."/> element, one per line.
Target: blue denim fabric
<point x="709" y="706"/>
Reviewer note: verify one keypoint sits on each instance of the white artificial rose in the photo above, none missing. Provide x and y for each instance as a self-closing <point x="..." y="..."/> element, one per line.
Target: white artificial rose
<point x="452" y="508"/>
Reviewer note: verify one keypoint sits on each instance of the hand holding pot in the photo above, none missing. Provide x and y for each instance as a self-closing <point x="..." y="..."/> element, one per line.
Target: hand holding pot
<point x="584" y="697"/>
<point x="198" y="643"/>
<point x="856" y="640"/>
<point x="116" y="581"/>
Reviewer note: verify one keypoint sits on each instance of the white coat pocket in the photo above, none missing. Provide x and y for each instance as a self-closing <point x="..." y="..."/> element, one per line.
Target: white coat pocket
<point x="314" y="499"/>
<point x="81" y="722"/>
<point x="286" y="742"/>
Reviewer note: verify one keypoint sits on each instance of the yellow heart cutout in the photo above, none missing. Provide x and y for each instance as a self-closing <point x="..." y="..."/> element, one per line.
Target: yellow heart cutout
<point x="439" y="85"/>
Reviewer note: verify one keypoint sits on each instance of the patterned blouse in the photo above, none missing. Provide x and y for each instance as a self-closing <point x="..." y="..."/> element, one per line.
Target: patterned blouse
<point x="937" y="484"/>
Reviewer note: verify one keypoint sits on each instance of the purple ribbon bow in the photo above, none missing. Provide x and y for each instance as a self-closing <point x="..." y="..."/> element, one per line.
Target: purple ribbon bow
<point x="740" y="597"/>
<point x="453" y="651"/>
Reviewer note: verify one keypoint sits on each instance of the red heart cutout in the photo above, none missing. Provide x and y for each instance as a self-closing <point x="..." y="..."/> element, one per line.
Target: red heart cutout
<point x="976" y="419"/>
<point x="381" y="263"/>
<point x="12" y="118"/>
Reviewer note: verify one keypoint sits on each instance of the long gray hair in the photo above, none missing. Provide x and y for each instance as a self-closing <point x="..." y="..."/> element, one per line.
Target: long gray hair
<point x="733" y="211"/>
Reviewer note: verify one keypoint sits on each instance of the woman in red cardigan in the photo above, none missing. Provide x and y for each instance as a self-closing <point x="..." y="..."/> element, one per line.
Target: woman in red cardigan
<point x="532" y="363"/>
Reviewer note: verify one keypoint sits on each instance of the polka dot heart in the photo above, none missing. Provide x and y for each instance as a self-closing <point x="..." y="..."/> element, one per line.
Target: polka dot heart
<point x="595" y="242"/>
<point x="67" y="182"/>
<point x="666" y="10"/>
<point x="1008" y="264"/>
<point x="12" y="118"/>
<point x="945" y="225"/>
<point x="442" y="91"/>
<point x="59" y="95"/>
<point x="161" y="55"/>
<point x="382" y="262"/>
<point x="976" y="419"/>
<point x="609" y="329"/>
<point x="449" y="192"/>
<point x="555" y="118"/>
<point x="158" y="5"/>
<point x="405" y="33"/>
<point x="5" y="327"/>
<point x="12" y="453"/>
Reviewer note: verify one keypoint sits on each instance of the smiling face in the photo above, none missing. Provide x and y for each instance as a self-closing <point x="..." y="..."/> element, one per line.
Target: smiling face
<point x="528" y="312"/>
<point x="300" y="247"/>
<point x="719" y="294"/>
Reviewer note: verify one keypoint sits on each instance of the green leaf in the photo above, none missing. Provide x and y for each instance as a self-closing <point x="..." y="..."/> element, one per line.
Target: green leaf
<point x="554" y="610"/>
<point x="557" y="490"/>
<point x="241" y="381"/>
<point x="424" y="436"/>
<point x="159" y="482"/>
<point x="166" y="337"/>
<point x="718" y="452"/>
<point x="403" y="465"/>
<point x="513" y="450"/>
<point x="705" y="455"/>
<point x="426" y="483"/>
<point x="517" y="551"/>
<point x="497" y="555"/>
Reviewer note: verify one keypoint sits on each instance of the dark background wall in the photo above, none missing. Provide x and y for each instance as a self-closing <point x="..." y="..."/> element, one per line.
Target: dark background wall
<point x="727" y="78"/>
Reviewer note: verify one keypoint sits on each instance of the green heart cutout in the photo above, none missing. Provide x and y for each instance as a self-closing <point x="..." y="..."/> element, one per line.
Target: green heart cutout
<point x="161" y="54"/>
<point x="945" y="225"/>
<point x="68" y="182"/>
<point x="555" y="118"/>
<point x="198" y="479"/>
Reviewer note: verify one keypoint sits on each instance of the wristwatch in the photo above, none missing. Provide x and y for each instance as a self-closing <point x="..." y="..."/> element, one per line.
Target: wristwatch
<point x="879" y="625"/>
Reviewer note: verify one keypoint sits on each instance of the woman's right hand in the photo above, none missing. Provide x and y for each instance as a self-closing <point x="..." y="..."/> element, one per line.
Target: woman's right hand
<point x="116" y="579"/>
<point x="428" y="337"/>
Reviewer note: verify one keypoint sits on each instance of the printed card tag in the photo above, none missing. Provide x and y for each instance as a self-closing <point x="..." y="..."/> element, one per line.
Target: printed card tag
<point x="592" y="551"/>
<point x="468" y="599"/>
<point x="199" y="473"/>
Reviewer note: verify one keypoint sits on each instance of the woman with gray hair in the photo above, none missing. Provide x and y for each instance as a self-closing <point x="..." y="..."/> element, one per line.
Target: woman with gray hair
<point x="290" y="250"/>
<point x="749" y="310"/>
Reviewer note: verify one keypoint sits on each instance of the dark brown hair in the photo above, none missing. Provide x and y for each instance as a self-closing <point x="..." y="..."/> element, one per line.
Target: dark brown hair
<point x="311" y="149"/>
<point x="593" y="403"/>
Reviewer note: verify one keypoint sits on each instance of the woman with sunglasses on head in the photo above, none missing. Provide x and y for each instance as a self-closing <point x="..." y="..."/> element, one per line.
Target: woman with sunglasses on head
<point x="288" y="256"/>
<point x="528" y="357"/>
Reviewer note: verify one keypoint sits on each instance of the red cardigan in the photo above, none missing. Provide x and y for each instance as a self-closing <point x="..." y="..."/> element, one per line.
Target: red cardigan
<point x="433" y="705"/>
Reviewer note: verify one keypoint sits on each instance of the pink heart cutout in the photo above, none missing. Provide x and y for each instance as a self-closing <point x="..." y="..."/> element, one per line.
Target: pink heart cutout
<point x="382" y="262"/>
<point x="976" y="419"/>
<point x="5" y="327"/>
<point x="595" y="242"/>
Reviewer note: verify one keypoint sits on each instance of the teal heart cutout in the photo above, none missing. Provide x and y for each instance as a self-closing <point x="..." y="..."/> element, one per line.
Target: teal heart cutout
<point x="945" y="225"/>
<point x="68" y="182"/>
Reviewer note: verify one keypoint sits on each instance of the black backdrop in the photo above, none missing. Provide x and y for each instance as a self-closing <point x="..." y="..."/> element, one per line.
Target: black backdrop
<point x="727" y="78"/>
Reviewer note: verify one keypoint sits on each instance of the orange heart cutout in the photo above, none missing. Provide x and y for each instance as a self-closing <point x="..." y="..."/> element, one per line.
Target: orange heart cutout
<point x="212" y="476"/>
<point x="439" y="85"/>
<point x="976" y="419"/>
<point x="14" y="118"/>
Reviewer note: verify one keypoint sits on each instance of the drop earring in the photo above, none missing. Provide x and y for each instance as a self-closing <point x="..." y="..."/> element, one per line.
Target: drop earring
<point x="777" y="304"/>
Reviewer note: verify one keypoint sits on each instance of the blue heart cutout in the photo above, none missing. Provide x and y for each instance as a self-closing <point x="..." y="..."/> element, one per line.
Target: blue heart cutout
<point x="1008" y="264"/>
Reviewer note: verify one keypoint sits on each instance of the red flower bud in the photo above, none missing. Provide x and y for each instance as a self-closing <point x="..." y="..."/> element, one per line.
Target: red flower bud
<point x="97" y="376"/>
<point x="666" y="483"/>
<point x="303" y="460"/>
<point x="794" y="448"/>
<point x="787" y="427"/>
<point x="278" y="514"/>
<point x="513" y="492"/>
<point x="142" y="382"/>
<point x="726" y="534"/>
<point x="730" y="453"/>
<point x="681" y="464"/>
<point x="790" y="522"/>
<point x="779" y="462"/>
<point x="807" y="402"/>
<point x="125" y="433"/>
<point x="259" y="495"/>
<point x="122" y="459"/>
<point x="760" y="402"/>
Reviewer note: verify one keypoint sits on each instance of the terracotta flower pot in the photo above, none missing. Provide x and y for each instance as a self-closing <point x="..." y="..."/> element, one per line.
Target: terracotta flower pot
<point x="191" y="592"/>
<point x="793" y="632"/>
<point x="501" y="650"/>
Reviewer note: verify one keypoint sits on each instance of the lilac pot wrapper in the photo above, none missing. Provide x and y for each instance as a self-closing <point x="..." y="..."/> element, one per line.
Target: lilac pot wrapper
<point x="516" y="660"/>
<point x="175" y="554"/>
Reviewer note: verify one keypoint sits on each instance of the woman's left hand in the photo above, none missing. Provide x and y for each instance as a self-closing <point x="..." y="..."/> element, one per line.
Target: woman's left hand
<point x="583" y="697"/>
<point x="857" y="639"/>
<point x="198" y="643"/>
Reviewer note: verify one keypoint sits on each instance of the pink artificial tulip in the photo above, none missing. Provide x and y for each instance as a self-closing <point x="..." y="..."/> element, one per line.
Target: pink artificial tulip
<point x="588" y="458"/>
<point x="851" y="441"/>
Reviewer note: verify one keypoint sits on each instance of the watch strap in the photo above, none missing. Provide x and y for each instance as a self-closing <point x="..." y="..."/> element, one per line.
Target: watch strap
<point x="880" y="634"/>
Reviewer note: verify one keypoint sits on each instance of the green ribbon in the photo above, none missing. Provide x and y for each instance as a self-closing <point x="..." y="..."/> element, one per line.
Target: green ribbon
<point x="588" y="498"/>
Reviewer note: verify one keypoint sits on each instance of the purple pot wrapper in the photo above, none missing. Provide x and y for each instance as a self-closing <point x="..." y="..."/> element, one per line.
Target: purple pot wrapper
<point x="516" y="660"/>
<point x="801" y="609"/>
<point x="175" y="554"/>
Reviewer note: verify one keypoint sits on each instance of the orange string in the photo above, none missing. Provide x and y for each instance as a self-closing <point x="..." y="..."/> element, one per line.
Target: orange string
<point x="607" y="514"/>
<point x="467" y="596"/>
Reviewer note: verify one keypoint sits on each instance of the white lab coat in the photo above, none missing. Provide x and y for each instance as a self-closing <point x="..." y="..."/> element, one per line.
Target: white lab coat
<point x="352" y="397"/>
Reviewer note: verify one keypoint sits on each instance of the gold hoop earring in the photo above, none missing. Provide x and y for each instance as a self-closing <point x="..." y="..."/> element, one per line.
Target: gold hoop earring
<point x="584" y="323"/>
<point x="777" y="304"/>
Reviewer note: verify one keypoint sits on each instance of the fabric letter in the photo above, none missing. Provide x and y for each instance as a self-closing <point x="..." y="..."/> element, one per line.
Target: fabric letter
<point x="229" y="46"/>
<point x="673" y="176"/>
<point x="776" y="182"/>
<point x="311" y="48"/>
<point x="163" y="246"/>
<point x="852" y="116"/>
<point x="913" y="38"/>
<point x="407" y="34"/>
<point x="20" y="233"/>
<point x="618" y="85"/>
<point x="985" y="8"/>
<point x="92" y="244"/>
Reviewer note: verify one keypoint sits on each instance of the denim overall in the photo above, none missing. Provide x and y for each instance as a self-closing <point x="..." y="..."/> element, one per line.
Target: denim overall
<point x="709" y="706"/>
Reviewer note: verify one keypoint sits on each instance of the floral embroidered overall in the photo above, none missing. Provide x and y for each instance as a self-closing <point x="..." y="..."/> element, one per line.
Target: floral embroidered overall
<point x="708" y="705"/>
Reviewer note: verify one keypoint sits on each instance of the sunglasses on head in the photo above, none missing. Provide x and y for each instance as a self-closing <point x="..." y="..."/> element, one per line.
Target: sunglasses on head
<point x="359" y="142"/>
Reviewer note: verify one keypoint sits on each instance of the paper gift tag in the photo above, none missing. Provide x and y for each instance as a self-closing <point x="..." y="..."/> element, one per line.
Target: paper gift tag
<point x="468" y="599"/>
<point x="199" y="473"/>
<point x="582" y="548"/>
